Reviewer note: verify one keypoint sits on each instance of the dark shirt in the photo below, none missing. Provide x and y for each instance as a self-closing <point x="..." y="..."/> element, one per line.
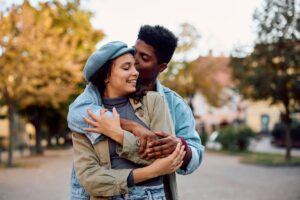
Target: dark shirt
<point x="125" y="111"/>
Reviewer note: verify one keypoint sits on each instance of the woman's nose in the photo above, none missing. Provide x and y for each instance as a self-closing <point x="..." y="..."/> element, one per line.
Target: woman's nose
<point x="135" y="72"/>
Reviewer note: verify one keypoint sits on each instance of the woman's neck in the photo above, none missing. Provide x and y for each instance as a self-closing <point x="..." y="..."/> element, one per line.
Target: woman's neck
<point x="111" y="95"/>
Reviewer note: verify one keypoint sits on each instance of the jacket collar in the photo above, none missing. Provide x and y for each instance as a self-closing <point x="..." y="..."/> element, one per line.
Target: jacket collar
<point x="159" y="88"/>
<point x="135" y="105"/>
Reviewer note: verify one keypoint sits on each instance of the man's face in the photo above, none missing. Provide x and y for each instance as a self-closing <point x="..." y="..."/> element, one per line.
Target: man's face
<point x="146" y="62"/>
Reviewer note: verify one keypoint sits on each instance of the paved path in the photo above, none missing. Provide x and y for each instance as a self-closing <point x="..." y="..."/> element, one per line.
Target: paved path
<point x="224" y="177"/>
<point x="220" y="177"/>
<point x="265" y="145"/>
<point x="40" y="178"/>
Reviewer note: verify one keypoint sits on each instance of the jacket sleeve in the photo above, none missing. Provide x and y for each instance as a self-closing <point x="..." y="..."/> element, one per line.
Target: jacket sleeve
<point x="88" y="99"/>
<point x="93" y="172"/>
<point x="160" y="119"/>
<point x="185" y="127"/>
<point x="130" y="149"/>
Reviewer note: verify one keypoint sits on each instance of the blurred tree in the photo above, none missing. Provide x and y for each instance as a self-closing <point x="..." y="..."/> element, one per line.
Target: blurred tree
<point x="272" y="70"/>
<point x="201" y="76"/>
<point x="188" y="39"/>
<point x="188" y="77"/>
<point x="41" y="53"/>
<point x="177" y="76"/>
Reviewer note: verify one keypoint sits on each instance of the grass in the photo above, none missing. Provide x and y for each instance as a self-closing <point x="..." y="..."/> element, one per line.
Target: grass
<point x="265" y="159"/>
<point x="269" y="160"/>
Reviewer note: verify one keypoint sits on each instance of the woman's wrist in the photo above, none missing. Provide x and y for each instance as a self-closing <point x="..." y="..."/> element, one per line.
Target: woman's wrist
<point x="144" y="173"/>
<point x="117" y="135"/>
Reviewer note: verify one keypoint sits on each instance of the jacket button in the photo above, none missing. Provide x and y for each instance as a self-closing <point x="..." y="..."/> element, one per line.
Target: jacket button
<point x="141" y="113"/>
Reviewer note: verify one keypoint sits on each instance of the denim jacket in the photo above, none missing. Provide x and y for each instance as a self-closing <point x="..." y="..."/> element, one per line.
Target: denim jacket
<point x="182" y="118"/>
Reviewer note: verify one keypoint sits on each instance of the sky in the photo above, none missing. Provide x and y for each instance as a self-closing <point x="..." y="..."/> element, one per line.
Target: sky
<point x="222" y="24"/>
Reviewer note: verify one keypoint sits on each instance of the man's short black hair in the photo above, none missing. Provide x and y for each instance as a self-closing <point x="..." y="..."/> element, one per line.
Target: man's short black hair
<point x="161" y="39"/>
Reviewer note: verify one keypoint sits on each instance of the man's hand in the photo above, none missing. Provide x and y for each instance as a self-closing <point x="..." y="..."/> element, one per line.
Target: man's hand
<point x="163" y="147"/>
<point x="145" y="135"/>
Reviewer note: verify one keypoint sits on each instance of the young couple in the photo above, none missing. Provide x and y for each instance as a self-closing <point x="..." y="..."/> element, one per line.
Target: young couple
<point x="130" y="133"/>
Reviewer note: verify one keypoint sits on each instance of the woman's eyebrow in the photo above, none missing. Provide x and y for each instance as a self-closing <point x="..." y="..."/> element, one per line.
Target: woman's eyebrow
<point x="127" y="63"/>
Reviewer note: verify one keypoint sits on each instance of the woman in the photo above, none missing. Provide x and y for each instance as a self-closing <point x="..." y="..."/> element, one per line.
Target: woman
<point x="101" y="168"/>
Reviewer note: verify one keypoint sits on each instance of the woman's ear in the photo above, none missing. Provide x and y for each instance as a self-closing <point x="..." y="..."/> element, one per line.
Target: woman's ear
<point x="106" y="80"/>
<point x="162" y="67"/>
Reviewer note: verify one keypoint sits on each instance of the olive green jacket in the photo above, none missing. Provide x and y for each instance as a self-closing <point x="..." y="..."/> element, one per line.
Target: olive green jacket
<point x="92" y="162"/>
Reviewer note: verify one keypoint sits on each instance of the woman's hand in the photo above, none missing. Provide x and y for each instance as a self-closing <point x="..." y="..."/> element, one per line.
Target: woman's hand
<point x="104" y="124"/>
<point x="170" y="163"/>
<point x="160" y="166"/>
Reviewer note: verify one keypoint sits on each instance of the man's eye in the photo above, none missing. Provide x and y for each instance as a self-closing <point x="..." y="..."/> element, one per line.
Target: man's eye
<point x="145" y="58"/>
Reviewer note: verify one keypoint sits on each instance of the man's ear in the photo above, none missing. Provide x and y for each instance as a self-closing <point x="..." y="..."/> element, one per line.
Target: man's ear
<point x="162" y="67"/>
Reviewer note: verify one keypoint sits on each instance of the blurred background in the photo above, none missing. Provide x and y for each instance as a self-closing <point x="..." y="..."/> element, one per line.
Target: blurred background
<point x="237" y="65"/>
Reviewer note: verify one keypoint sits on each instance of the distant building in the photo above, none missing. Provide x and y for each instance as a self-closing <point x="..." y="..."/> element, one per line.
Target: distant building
<point x="261" y="116"/>
<point x="258" y="115"/>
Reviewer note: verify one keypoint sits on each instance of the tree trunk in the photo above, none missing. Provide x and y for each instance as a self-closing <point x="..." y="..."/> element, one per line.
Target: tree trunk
<point x="288" y="142"/>
<point x="37" y="121"/>
<point x="12" y="132"/>
<point x="38" y="138"/>
<point x="49" y="138"/>
<point x="287" y="122"/>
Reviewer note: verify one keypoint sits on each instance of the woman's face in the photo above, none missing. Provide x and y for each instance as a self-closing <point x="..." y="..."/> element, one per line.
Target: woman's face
<point x="123" y="77"/>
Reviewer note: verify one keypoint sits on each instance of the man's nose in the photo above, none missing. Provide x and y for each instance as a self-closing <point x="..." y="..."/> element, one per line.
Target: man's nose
<point x="136" y="57"/>
<point x="136" y="64"/>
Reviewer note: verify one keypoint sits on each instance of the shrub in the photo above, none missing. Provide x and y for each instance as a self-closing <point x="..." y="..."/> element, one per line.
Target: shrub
<point x="203" y="137"/>
<point x="278" y="131"/>
<point x="235" y="138"/>
<point x="278" y="134"/>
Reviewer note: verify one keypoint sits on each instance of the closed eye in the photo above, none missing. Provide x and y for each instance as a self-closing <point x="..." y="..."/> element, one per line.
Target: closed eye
<point x="127" y="66"/>
<point x="145" y="57"/>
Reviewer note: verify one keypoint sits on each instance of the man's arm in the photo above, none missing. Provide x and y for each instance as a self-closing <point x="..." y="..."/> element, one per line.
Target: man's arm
<point x="184" y="123"/>
<point x="144" y="135"/>
<point x="165" y="146"/>
<point x="89" y="99"/>
<point x="160" y="120"/>
<point x="185" y="127"/>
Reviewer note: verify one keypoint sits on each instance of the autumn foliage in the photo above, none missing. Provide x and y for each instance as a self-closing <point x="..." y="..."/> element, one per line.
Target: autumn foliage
<point x="42" y="51"/>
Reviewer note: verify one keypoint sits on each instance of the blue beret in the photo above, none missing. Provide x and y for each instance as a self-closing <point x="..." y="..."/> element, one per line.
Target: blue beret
<point x="107" y="52"/>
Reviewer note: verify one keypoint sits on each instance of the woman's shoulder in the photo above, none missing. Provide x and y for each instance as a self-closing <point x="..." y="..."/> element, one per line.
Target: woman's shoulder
<point x="149" y="101"/>
<point x="153" y="100"/>
<point x="152" y="97"/>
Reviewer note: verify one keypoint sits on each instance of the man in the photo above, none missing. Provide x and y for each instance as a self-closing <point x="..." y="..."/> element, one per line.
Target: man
<point x="154" y="49"/>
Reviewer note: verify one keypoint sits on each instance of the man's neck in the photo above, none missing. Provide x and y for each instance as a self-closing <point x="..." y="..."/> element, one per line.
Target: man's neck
<point x="149" y="86"/>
